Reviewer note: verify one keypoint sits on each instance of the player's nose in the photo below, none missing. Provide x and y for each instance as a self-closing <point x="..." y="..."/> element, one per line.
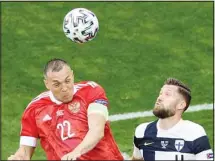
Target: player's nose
<point x="64" y="88"/>
<point x="160" y="98"/>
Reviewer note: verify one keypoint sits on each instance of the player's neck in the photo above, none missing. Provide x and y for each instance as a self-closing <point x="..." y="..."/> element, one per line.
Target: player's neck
<point x="168" y="123"/>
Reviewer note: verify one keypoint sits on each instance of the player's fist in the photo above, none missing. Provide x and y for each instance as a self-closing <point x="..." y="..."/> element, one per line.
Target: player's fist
<point x="72" y="155"/>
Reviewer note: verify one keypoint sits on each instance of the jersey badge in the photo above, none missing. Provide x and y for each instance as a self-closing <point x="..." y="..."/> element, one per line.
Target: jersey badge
<point x="179" y="144"/>
<point x="74" y="107"/>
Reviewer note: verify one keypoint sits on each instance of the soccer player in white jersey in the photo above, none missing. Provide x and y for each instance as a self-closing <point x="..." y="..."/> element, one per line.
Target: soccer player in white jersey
<point x="170" y="137"/>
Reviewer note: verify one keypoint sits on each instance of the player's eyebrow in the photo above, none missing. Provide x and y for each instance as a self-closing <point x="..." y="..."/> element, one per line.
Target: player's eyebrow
<point x="55" y="81"/>
<point x="59" y="81"/>
<point x="168" y="89"/>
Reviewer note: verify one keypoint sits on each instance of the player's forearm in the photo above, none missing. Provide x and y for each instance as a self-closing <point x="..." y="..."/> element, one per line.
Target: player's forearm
<point x="25" y="151"/>
<point x="90" y="140"/>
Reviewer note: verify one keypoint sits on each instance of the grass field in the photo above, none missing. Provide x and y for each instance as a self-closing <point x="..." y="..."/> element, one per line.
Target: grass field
<point x="138" y="46"/>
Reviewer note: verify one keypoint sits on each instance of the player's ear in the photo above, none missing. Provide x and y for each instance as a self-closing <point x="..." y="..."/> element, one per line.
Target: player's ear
<point x="46" y="83"/>
<point x="182" y="105"/>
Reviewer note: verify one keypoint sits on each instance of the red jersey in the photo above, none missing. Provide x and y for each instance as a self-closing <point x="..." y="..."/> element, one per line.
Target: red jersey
<point x="62" y="126"/>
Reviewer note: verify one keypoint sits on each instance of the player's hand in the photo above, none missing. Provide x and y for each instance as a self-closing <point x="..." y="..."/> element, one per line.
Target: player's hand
<point x="72" y="155"/>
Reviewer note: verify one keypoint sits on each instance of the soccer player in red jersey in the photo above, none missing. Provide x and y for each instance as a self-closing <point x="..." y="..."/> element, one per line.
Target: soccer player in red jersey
<point x="70" y="119"/>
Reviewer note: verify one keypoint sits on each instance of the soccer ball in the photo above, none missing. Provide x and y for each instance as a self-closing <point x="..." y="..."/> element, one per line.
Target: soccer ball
<point x="80" y="25"/>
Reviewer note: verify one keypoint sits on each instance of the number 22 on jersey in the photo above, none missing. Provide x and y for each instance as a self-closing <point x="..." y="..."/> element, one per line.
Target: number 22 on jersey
<point x="65" y="126"/>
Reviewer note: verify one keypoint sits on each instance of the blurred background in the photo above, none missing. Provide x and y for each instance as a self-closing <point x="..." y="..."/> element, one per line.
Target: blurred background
<point x="139" y="45"/>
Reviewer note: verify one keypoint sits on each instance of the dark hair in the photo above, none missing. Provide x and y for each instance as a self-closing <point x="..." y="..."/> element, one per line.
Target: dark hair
<point x="183" y="89"/>
<point x="55" y="65"/>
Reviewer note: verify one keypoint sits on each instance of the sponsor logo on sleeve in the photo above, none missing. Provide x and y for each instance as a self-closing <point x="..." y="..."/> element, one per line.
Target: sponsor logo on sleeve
<point x="101" y="101"/>
<point x="210" y="155"/>
<point x="164" y="144"/>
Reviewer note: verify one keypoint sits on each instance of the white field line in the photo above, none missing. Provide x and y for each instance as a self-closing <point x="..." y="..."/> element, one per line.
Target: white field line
<point x="132" y="115"/>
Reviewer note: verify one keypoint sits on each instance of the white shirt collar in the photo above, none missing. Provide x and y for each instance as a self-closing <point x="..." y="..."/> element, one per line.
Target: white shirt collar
<point x="53" y="99"/>
<point x="177" y="125"/>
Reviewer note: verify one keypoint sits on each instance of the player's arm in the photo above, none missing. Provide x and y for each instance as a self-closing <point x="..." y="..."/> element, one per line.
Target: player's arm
<point x="136" y="154"/>
<point x="28" y="135"/>
<point x="138" y="134"/>
<point x="23" y="153"/>
<point x="97" y="117"/>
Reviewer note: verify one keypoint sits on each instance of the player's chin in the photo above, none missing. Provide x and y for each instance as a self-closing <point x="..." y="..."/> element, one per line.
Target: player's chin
<point x="66" y="99"/>
<point x="157" y="107"/>
<point x="163" y="114"/>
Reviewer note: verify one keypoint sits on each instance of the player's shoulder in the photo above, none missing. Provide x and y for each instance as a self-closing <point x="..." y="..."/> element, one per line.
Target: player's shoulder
<point x="91" y="92"/>
<point x="193" y="126"/>
<point x="40" y="99"/>
<point x="140" y="129"/>
<point x="87" y="85"/>
<point x="195" y="130"/>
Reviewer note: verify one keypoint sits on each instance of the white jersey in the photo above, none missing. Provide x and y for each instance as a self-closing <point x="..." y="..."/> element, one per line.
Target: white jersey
<point x="185" y="141"/>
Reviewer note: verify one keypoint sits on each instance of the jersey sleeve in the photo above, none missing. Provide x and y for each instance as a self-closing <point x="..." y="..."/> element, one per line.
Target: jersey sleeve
<point x="97" y="100"/>
<point x="202" y="149"/>
<point x="97" y="94"/>
<point x="29" y="133"/>
<point x="138" y="136"/>
<point x="201" y="146"/>
<point x="205" y="155"/>
<point x="139" y="140"/>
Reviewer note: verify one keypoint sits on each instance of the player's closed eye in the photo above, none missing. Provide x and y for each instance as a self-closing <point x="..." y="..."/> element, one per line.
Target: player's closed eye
<point x="165" y="93"/>
<point x="56" y="85"/>
<point x="68" y="81"/>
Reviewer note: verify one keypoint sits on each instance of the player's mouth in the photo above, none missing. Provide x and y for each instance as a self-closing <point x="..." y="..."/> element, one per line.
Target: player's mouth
<point x="66" y="96"/>
<point x="157" y="103"/>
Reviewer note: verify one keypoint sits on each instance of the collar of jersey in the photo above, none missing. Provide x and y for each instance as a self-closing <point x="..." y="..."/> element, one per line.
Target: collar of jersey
<point x="172" y="128"/>
<point x="53" y="99"/>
